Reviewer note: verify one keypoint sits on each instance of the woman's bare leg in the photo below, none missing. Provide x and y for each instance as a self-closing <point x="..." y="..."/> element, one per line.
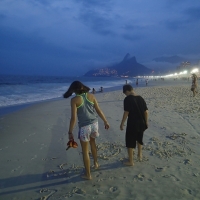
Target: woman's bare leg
<point x="86" y="159"/>
<point x="94" y="151"/>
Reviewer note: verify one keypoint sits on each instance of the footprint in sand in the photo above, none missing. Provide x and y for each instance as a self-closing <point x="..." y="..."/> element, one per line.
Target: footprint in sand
<point x="76" y="190"/>
<point x="45" y="159"/>
<point x="48" y="195"/>
<point x="25" y="141"/>
<point x="187" y="191"/>
<point x="31" y="134"/>
<point x="99" y="191"/>
<point x="171" y="176"/>
<point x="195" y="174"/>
<point x="34" y="157"/>
<point x="75" y="169"/>
<point x="161" y="169"/>
<point x="187" y="161"/>
<point x="101" y="179"/>
<point x="52" y="173"/>
<point x="16" y="169"/>
<point x="139" y="177"/>
<point x="62" y="166"/>
<point x="113" y="189"/>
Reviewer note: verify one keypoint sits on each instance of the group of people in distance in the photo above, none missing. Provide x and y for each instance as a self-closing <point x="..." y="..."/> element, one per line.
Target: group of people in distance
<point x="94" y="91"/>
<point x="85" y="106"/>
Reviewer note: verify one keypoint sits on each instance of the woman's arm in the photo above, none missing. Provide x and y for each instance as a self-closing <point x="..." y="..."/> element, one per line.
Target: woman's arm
<point x="100" y="113"/>
<point x="73" y="118"/>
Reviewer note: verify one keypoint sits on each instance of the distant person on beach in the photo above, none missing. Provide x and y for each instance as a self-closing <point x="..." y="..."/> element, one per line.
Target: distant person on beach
<point x="101" y="89"/>
<point x="194" y="84"/>
<point x="147" y="82"/>
<point x="137" y="82"/>
<point x="83" y="106"/>
<point x="93" y="91"/>
<point x="135" y="109"/>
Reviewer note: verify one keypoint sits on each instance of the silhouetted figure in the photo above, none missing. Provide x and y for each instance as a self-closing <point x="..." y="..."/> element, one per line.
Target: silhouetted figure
<point x="101" y="89"/>
<point x="137" y="82"/>
<point x="93" y="91"/>
<point x="194" y="84"/>
<point x="147" y="82"/>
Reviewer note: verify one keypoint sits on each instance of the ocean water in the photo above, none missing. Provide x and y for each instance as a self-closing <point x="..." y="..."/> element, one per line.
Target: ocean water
<point x="21" y="90"/>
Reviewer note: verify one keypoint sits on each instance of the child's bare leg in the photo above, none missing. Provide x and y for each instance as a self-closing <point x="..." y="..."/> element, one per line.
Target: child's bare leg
<point x="94" y="151"/>
<point x="139" y="151"/>
<point x="130" y="157"/>
<point x="86" y="160"/>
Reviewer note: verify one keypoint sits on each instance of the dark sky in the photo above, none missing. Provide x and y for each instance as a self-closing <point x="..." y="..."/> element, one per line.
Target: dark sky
<point x="68" y="37"/>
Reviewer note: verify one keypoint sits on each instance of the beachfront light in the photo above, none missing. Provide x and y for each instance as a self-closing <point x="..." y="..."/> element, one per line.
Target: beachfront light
<point x="185" y="72"/>
<point x="194" y="70"/>
<point x="176" y="74"/>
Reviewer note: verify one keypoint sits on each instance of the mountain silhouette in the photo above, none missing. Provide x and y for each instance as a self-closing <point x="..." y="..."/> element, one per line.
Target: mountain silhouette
<point x="127" y="67"/>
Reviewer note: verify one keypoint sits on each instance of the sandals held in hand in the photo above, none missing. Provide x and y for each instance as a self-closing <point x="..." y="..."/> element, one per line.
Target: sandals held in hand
<point x="71" y="143"/>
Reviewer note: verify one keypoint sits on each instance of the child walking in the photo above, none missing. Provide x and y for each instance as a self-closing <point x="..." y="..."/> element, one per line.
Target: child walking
<point x="135" y="109"/>
<point x="85" y="106"/>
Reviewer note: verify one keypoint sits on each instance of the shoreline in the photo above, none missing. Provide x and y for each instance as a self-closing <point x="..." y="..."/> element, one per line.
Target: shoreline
<point x="14" y="108"/>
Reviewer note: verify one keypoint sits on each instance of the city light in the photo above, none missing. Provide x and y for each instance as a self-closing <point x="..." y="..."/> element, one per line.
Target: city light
<point x="194" y="70"/>
<point x="176" y="74"/>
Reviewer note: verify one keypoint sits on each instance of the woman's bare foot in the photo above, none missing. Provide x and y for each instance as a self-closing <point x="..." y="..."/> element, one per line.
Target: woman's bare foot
<point x="86" y="177"/>
<point x="96" y="165"/>
<point x="128" y="163"/>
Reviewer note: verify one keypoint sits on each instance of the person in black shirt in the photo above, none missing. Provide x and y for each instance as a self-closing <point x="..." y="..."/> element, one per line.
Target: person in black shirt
<point x="136" y="110"/>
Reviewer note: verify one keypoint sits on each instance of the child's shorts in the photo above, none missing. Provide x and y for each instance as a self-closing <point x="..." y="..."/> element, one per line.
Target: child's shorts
<point x="88" y="131"/>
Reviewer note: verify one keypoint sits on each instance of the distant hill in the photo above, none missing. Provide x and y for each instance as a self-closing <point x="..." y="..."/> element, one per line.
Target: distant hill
<point x="170" y="59"/>
<point x="127" y="67"/>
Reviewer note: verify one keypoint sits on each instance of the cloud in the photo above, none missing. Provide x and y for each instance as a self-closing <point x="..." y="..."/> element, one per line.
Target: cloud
<point x="95" y="3"/>
<point x="131" y="27"/>
<point x="97" y="23"/>
<point x="43" y="2"/>
<point x="188" y="17"/>
<point x="19" y="51"/>
<point x="193" y="14"/>
<point x="175" y="24"/>
<point x="131" y="37"/>
<point x="2" y="16"/>
<point x="79" y="33"/>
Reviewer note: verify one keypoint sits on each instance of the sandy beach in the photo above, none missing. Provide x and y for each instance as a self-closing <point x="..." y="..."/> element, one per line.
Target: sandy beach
<point x="34" y="163"/>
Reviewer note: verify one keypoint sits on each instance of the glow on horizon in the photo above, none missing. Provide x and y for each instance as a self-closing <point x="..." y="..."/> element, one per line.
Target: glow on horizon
<point x="194" y="70"/>
<point x="176" y="74"/>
